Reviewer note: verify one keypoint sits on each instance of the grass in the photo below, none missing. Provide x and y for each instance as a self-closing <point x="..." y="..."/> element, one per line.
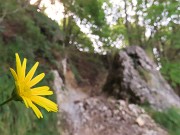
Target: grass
<point x="169" y="119"/>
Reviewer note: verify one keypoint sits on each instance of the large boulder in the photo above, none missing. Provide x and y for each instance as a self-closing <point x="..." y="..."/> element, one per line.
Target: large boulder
<point x="134" y="77"/>
<point x="80" y="114"/>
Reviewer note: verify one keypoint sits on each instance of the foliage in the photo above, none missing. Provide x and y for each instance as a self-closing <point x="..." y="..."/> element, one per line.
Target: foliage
<point x="171" y="71"/>
<point x="39" y="32"/>
<point x="169" y="119"/>
<point x="90" y="15"/>
<point x="76" y="73"/>
<point x="21" y="31"/>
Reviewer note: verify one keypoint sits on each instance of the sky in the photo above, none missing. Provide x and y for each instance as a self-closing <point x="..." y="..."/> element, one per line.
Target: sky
<point x="55" y="12"/>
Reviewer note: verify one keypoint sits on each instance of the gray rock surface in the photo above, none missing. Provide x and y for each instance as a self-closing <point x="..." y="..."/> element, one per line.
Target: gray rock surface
<point x="134" y="77"/>
<point x="80" y="114"/>
<point x="114" y="117"/>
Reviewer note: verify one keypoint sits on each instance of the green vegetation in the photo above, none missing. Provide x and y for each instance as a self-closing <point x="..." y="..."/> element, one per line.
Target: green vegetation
<point x="171" y="72"/>
<point x="34" y="36"/>
<point x="31" y="34"/>
<point x="169" y="119"/>
<point x="16" y="119"/>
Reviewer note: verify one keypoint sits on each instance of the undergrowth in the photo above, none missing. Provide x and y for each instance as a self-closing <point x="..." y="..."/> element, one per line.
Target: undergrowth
<point x="29" y="33"/>
<point x="169" y="119"/>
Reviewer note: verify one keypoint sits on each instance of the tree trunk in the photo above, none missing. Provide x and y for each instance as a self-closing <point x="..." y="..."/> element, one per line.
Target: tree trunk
<point x="127" y="24"/>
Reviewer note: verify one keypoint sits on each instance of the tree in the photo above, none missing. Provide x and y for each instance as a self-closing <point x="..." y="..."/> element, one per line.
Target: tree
<point x="87" y="13"/>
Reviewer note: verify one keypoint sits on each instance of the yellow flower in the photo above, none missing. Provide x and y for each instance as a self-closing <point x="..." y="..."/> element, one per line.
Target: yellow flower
<point x="25" y="91"/>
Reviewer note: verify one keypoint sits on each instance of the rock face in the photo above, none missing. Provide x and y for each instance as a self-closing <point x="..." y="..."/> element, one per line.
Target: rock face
<point x="80" y="114"/>
<point x="134" y="77"/>
<point x="114" y="117"/>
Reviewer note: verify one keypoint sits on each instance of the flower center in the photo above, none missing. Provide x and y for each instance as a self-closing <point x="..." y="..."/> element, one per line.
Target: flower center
<point x="23" y="89"/>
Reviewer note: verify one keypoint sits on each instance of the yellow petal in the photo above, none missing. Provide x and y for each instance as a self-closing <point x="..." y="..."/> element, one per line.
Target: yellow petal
<point x="35" y="80"/>
<point x="42" y="93"/>
<point x="31" y="72"/>
<point x="23" y="71"/>
<point x="29" y="103"/>
<point x="44" y="90"/>
<point x="25" y="102"/>
<point x="45" y="103"/>
<point x="18" y="65"/>
<point x="36" y="111"/>
<point x="14" y="74"/>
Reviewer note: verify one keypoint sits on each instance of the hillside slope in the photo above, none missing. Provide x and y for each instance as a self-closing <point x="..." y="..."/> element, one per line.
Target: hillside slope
<point x="33" y="35"/>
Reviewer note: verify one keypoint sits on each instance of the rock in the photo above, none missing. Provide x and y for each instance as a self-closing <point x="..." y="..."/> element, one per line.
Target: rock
<point x="82" y="115"/>
<point x="95" y="120"/>
<point x="140" y="121"/>
<point x="134" y="77"/>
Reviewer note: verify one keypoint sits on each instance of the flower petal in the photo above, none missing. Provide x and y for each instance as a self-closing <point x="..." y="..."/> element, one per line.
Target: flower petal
<point x="35" y="80"/>
<point x="37" y="111"/>
<point x="31" y="72"/>
<point x="25" y="101"/>
<point x="18" y="65"/>
<point x="23" y="71"/>
<point x="45" y="103"/>
<point x="44" y="90"/>
<point x="14" y="74"/>
<point x="29" y="103"/>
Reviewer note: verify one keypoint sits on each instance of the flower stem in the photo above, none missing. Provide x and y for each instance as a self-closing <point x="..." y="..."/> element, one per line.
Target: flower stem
<point x="6" y="101"/>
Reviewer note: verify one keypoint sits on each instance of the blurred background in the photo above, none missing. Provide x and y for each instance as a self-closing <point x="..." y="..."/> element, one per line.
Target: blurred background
<point x="81" y="39"/>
